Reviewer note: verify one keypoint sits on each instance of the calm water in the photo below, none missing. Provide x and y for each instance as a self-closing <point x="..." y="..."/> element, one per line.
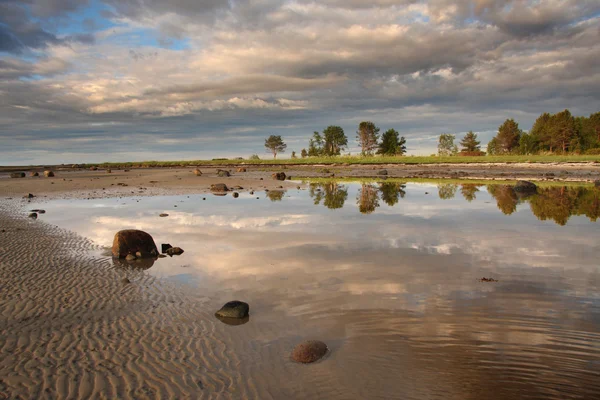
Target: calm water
<point x="389" y="275"/>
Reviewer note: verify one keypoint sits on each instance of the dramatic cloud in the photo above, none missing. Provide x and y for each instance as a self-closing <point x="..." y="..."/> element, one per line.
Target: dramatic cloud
<point x="189" y="70"/>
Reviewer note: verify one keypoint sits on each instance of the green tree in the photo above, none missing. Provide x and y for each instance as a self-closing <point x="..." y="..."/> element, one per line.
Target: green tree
<point x="470" y="143"/>
<point x="303" y="153"/>
<point x="508" y="136"/>
<point x="294" y="154"/>
<point x="391" y="192"/>
<point x="446" y="146"/>
<point x="540" y="131"/>
<point x="368" y="198"/>
<point x="506" y="198"/>
<point x="528" y="144"/>
<point x="562" y="129"/>
<point x="335" y="140"/>
<point x="469" y="190"/>
<point x="447" y="191"/>
<point x="315" y="145"/>
<point x="392" y="144"/>
<point x="493" y="148"/>
<point x="367" y="136"/>
<point x="275" y="144"/>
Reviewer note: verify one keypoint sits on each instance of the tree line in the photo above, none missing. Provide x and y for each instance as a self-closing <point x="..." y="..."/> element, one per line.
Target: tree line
<point x="333" y="140"/>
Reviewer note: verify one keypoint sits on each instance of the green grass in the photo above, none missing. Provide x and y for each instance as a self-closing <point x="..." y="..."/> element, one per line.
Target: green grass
<point x="356" y="160"/>
<point x="441" y="181"/>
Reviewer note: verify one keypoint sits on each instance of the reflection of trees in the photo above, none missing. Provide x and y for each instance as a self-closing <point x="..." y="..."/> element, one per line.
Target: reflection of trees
<point x="468" y="191"/>
<point x="333" y="194"/>
<point x="447" y="190"/>
<point x="555" y="203"/>
<point x="391" y="192"/>
<point x="505" y="197"/>
<point x="275" y="195"/>
<point x="368" y="198"/>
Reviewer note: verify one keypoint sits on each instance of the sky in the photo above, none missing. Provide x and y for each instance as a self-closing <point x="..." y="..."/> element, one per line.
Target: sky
<point x="132" y="80"/>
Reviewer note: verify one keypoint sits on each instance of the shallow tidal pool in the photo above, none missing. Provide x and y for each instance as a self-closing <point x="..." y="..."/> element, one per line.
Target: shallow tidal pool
<point x="390" y="275"/>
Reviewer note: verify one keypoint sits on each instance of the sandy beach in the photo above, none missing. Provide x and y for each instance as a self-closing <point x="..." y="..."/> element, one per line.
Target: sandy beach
<point x="72" y="327"/>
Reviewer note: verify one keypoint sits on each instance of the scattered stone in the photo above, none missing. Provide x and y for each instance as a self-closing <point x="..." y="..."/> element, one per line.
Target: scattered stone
<point x="219" y="187"/>
<point x="197" y="172"/>
<point x="261" y="179"/>
<point x="17" y="174"/>
<point x="163" y="215"/>
<point x="125" y="281"/>
<point x="488" y="280"/>
<point x="298" y="187"/>
<point x="235" y="195"/>
<point x="33" y="215"/>
<point x="34" y="173"/>
<point x="289" y="178"/>
<point x="108" y="171"/>
<point x="237" y="188"/>
<point x="164" y="247"/>
<point x="174" y="251"/>
<point x="130" y="241"/>
<point x="93" y="168"/>
<point x="309" y="351"/>
<point x="204" y="198"/>
<point x="28" y="196"/>
<point x="382" y="172"/>
<point x="125" y="170"/>
<point x="252" y="192"/>
<point x="280" y="176"/>
<point x="130" y="257"/>
<point x="222" y="173"/>
<point x="525" y="187"/>
<point x="234" y="309"/>
<point x="241" y="170"/>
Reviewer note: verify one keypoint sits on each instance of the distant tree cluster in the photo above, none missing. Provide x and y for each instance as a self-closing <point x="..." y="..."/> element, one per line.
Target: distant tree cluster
<point x="552" y="133"/>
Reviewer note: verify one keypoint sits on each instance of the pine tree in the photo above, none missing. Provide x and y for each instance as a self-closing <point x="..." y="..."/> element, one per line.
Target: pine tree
<point x="367" y="136"/>
<point x="470" y="143"/>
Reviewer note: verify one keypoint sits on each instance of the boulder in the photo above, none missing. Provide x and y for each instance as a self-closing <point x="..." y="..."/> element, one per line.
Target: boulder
<point x="280" y="176"/>
<point x="48" y="174"/>
<point x="130" y="241"/>
<point x="241" y="170"/>
<point x="174" y="251"/>
<point x="382" y="172"/>
<point x="525" y="187"/>
<point x="197" y="172"/>
<point x="309" y="351"/>
<point x="17" y="174"/>
<point x="218" y="187"/>
<point x="222" y="173"/>
<point x="34" y="173"/>
<point x="234" y="309"/>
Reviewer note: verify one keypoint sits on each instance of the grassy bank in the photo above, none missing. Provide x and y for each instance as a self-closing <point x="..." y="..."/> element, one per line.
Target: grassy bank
<point x="355" y="160"/>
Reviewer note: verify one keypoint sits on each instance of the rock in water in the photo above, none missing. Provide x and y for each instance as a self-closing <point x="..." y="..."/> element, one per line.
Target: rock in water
<point x="17" y="174"/>
<point x="234" y="309"/>
<point x="222" y="173"/>
<point x="525" y="187"/>
<point x="218" y="187"/>
<point x="309" y="351"/>
<point x="130" y="241"/>
<point x="280" y="176"/>
<point x="382" y="172"/>
<point x="174" y="251"/>
<point x="235" y="195"/>
<point x="33" y="215"/>
<point x="197" y="172"/>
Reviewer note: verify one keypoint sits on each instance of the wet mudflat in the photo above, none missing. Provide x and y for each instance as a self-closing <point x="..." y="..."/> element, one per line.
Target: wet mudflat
<point x="420" y="290"/>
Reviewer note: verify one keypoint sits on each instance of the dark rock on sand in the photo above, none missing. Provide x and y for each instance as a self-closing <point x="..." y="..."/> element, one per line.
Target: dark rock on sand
<point x="93" y="168"/>
<point x="235" y="195"/>
<point x="34" y="173"/>
<point x="241" y="170"/>
<point x="108" y="171"/>
<point x="280" y="176"/>
<point x="125" y="281"/>
<point x="130" y="241"/>
<point x="234" y="309"/>
<point x="309" y="351"/>
<point x="174" y="251"/>
<point x="28" y="196"/>
<point x="218" y="187"/>
<point x="382" y="172"/>
<point x="33" y="215"/>
<point x="197" y="172"/>
<point x="17" y="174"/>
<point x="163" y="215"/>
<point x="222" y="173"/>
<point x="233" y="321"/>
<point x="525" y="187"/>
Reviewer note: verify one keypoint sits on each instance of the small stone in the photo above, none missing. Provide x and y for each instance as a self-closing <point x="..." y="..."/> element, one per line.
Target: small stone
<point x="125" y="281"/>
<point x="130" y="257"/>
<point x="164" y="247"/>
<point x="28" y="196"/>
<point x="235" y="195"/>
<point x="234" y="309"/>
<point x="309" y="351"/>
<point x="280" y="176"/>
<point x="197" y="172"/>
<point x="382" y="172"/>
<point x="108" y="171"/>
<point x="34" y="173"/>
<point x="17" y="174"/>
<point x="218" y="187"/>
<point x="252" y="192"/>
<point x="33" y="215"/>
<point x="163" y="215"/>
<point x="174" y="251"/>
<point x="241" y="170"/>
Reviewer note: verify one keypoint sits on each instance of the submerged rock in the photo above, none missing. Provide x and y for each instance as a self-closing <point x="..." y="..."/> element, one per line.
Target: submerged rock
<point x="309" y="351"/>
<point x="525" y="187"/>
<point x="33" y="215"/>
<point x="234" y="309"/>
<point x="235" y="195"/>
<point x="17" y="174"/>
<point x="131" y="241"/>
<point x="280" y="176"/>
<point x="174" y="251"/>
